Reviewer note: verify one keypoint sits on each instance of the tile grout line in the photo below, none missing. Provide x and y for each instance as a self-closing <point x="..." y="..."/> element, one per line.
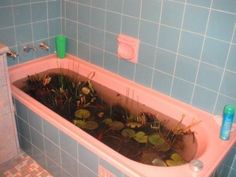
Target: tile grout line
<point x="201" y="54"/>
<point x="177" y="50"/>
<point x="224" y="70"/>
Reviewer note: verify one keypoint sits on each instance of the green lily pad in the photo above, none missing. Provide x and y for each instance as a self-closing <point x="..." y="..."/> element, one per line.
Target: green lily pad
<point x="91" y="125"/>
<point x="80" y="123"/>
<point x="82" y="114"/>
<point x="129" y="133"/>
<point x="163" y="147"/>
<point x="107" y="121"/>
<point x="141" y="137"/>
<point x="116" y="125"/>
<point x="159" y="162"/>
<point x="156" y="139"/>
<point x="175" y="160"/>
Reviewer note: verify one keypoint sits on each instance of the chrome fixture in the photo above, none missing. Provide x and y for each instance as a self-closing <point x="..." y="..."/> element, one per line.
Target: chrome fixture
<point x="28" y="48"/>
<point x="43" y="46"/>
<point x="12" y="54"/>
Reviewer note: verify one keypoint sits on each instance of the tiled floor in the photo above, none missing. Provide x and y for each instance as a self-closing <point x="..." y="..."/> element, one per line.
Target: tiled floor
<point x="22" y="166"/>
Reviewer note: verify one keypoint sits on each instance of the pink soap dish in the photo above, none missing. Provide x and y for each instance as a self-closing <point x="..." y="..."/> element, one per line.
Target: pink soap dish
<point x="128" y="48"/>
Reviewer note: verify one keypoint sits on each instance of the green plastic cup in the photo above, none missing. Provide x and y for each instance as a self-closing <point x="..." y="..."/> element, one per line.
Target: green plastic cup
<point x="61" y="46"/>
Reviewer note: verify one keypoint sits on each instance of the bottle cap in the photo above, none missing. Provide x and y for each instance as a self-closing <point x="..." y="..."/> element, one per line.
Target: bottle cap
<point x="229" y="109"/>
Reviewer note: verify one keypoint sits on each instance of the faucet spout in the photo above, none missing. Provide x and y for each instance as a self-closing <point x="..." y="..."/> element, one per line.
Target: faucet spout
<point x="43" y="46"/>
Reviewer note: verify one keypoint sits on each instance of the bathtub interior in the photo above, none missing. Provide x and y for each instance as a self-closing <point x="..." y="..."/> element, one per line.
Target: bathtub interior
<point x="177" y="109"/>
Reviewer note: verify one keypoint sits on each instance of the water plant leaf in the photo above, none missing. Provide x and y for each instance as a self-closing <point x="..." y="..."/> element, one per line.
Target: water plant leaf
<point x="156" y="139"/>
<point x="164" y="147"/>
<point x="141" y="137"/>
<point x="85" y="90"/>
<point x="91" y="125"/>
<point x="175" y="160"/>
<point x="79" y="123"/>
<point x="117" y="125"/>
<point x="82" y="114"/>
<point x="159" y="162"/>
<point x="133" y="124"/>
<point x="127" y="132"/>
<point x="107" y="121"/>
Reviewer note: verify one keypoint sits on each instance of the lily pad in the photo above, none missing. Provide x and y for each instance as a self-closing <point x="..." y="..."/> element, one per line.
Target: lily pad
<point x="80" y="123"/>
<point x="175" y="160"/>
<point x="117" y="125"/>
<point x="107" y="121"/>
<point x="159" y="162"/>
<point x="91" y="125"/>
<point x="156" y="139"/>
<point x="164" y="147"/>
<point x="129" y="133"/>
<point x="141" y="137"/>
<point x="82" y="114"/>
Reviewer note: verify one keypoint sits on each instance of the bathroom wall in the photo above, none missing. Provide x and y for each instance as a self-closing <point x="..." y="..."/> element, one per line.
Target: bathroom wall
<point x="29" y="22"/>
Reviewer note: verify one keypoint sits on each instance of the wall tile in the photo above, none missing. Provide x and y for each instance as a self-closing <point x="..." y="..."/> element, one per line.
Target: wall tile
<point x="54" y="27"/>
<point x="21" y="110"/>
<point x="221" y="25"/>
<point x="85" y="1"/>
<point x="96" y="56"/>
<point x="199" y="99"/>
<point x="53" y="168"/>
<point x="37" y="139"/>
<point x="52" y="151"/>
<point x="168" y="38"/>
<point x="83" y="14"/>
<point x="111" y="168"/>
<point x="71" y="11"/>
<point x="113" y="22"/>
<point x="165" y="61"/>
<point x="83" y="51"/>
<point x="222" y="101"/>
<point x="40" y="30"/>
<point x="215" y="52"/>
<point x="97" y="18"/>
<point x="24" y="129"/>
<point x="99" y="3"/>
<point x="68" y="144"/>
<point x="162" y="82"/>
<point x="83" y="33"/>
<point x="71" y="29"/>
<point x="39" y="11"/>
<point x="23" y="34"/>
<point x="111" y="43"/>
<point x="226" y="5"/>
<point x="228" y="86"/>
<point x="143" y="75"/>
<point x="148" y="32"/>
<point x="68" y="164"/>
<point x="6" y="17"/>
<point x="191" y="44"/>
<point x="182" y="90"/>
<point x="195" y="19"/>
<point x="25" y="145"/>
<point x="209" y="76"/>
<point x="204" y="3"/>
<point x="114" y="5"/>
<point x="53" y="9"/>
<point x="5" y="3"/>
<point x="231" y="64"/>
<point x="84" y="171"/>
<point x="51" y="132"/>
<point x="130" y="26"/>
<point x="22" y="14"/>
<point x="175" y="17"/>
<point x="151" y="10"/>
<point x="88" y="158"/>
<point x="186" y="68"/>
<point x="132" y="7"/>
<point x="146" y="55"/>
<point x="38" y="156"/>
<point x="7" y="36"/>
<point x="72" y="46"/>
<point x="111" y="62"/>
<point x="35" y="121"/>
<point x="97" y="38"/>
<point x="126" y="69"/>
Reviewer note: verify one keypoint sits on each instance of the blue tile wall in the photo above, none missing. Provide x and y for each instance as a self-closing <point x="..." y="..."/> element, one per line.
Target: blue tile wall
<point x="54" y="150"/>
<point x="25" y="22"/>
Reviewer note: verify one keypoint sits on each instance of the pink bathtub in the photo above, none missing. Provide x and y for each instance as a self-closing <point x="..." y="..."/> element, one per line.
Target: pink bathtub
<point x="211" y="150"/>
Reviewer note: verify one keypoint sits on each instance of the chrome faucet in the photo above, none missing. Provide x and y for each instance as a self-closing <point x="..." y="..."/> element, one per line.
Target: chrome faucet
<point x="12" y="54"/>
<point x="43" y="46"/>
<point x="28" y="48"/>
